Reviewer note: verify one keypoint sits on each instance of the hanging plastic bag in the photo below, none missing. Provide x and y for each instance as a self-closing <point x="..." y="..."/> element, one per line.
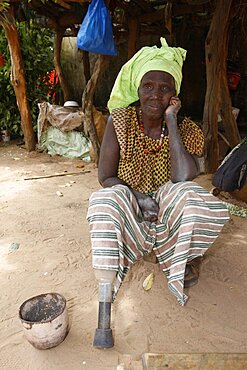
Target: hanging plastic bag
<point x="95" y="34"/>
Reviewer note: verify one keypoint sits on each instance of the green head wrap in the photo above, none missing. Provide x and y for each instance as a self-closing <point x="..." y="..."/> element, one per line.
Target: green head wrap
<point x="167" y="59"/>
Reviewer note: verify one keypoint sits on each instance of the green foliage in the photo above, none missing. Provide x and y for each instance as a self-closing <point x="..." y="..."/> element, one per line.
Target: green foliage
<point x="37" y="53"/>
<point x="4" y="5"/>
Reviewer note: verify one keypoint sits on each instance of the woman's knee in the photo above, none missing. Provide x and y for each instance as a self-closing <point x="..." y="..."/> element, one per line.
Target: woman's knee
<point x="185" y="187"/>
<point x="121" y="189"/>
<point x="178" y="187"/>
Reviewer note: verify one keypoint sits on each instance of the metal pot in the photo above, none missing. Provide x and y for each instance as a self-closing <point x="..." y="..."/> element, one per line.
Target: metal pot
<point x="45" y="320"/>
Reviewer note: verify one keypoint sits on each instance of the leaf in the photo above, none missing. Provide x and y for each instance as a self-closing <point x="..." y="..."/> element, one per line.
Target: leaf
<point x="148" y="282"/>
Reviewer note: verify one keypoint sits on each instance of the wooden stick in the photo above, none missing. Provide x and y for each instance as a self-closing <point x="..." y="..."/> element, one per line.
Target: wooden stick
<point x="63" y="4"/>
<point x="55" y="175"/>
<point x="224" y="139"/>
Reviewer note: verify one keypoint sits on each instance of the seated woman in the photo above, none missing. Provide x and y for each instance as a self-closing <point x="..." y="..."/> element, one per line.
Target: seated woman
<point x="147" y="164"/>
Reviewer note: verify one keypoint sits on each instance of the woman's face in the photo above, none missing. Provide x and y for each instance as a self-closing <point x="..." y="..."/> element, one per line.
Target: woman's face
<point x="155" y="91"/>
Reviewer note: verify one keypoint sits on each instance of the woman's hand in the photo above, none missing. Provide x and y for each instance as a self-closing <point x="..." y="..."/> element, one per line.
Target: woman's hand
<point x="148" y="206"/>
<point x="173" y="107"/>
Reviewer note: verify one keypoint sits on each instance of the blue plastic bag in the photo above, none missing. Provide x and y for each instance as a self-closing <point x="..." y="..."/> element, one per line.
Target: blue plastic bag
<point x="95" y="34"/>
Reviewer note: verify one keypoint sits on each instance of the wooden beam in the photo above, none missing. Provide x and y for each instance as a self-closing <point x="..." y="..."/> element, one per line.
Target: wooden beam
<point x="57" y="61"/>
<point x="228" y="119"/>
<point x="144" y="5"/>
<point x="133" y="36"/>
<point x="158" y="15"/>
<point x="168" y="21"/>
<point x="19" y="83"/>
<point x="183" y="9"/>
<point x="86" y="65"/>
<point x="67" y="20"/>
<point x="87" y="103"/>
<point x="216" y="54"/>
<point x="63" y="4"/>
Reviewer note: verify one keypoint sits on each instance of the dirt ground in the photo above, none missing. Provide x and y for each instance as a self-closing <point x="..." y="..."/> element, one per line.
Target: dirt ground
<point x="54" y="256"/>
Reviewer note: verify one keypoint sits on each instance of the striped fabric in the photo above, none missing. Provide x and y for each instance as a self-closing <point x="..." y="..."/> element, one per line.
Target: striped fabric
<point x="189" y="221"/>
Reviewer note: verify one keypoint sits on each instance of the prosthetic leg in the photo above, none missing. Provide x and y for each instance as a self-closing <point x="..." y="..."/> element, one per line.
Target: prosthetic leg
<point x="103" y="335"/>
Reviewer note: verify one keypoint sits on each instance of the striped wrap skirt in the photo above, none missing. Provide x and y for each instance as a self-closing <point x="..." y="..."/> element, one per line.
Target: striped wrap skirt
<point x="189" y="221"/>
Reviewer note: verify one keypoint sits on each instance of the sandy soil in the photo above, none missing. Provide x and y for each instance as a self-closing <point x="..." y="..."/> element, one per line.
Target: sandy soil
<point x="54" y="255"/>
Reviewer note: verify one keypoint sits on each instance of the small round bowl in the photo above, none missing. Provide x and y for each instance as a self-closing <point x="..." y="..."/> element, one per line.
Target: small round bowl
<point x="71" y="104"/>
<point x="45" y="320"/>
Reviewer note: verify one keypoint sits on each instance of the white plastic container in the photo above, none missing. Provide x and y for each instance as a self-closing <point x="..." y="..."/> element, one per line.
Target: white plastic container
<point x="71" y="104"/>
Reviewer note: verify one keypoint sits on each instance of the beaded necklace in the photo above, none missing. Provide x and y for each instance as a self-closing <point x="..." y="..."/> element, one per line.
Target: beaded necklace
<point x="144" y="145"/>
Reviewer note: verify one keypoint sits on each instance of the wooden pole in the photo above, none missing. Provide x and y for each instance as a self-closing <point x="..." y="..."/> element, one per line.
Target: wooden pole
<point x="19" y="83"/>
<point x="228" y="119"/>
<point x="86" y="65"/>
<point x="216" y="55"/>
<point x="133" y="36"/>
<point x="87" y="104"/>
<point x="57" y="61"/>
<point x="168" y="21"/>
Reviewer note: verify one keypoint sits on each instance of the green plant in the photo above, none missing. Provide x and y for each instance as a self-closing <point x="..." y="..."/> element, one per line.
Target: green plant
<point x="37" y="53"/>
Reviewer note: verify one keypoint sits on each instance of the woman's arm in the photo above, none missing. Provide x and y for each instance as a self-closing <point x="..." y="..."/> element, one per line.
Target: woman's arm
<point x="183" y="165"/>
<point x="109" y="158"/>
<point x="108" y="169"/>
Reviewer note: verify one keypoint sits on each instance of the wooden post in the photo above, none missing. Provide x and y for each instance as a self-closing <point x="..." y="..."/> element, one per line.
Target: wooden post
<point x="216" y="55"/>
<point x="57" y="61"/>
<point x="87" y="103"/>
<point x="228" y="119"/>
<point x="19" y="83"/>
<point x="132" y="39"/>
<point x="168" y="21"/>
<point x="86" y="65"/>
